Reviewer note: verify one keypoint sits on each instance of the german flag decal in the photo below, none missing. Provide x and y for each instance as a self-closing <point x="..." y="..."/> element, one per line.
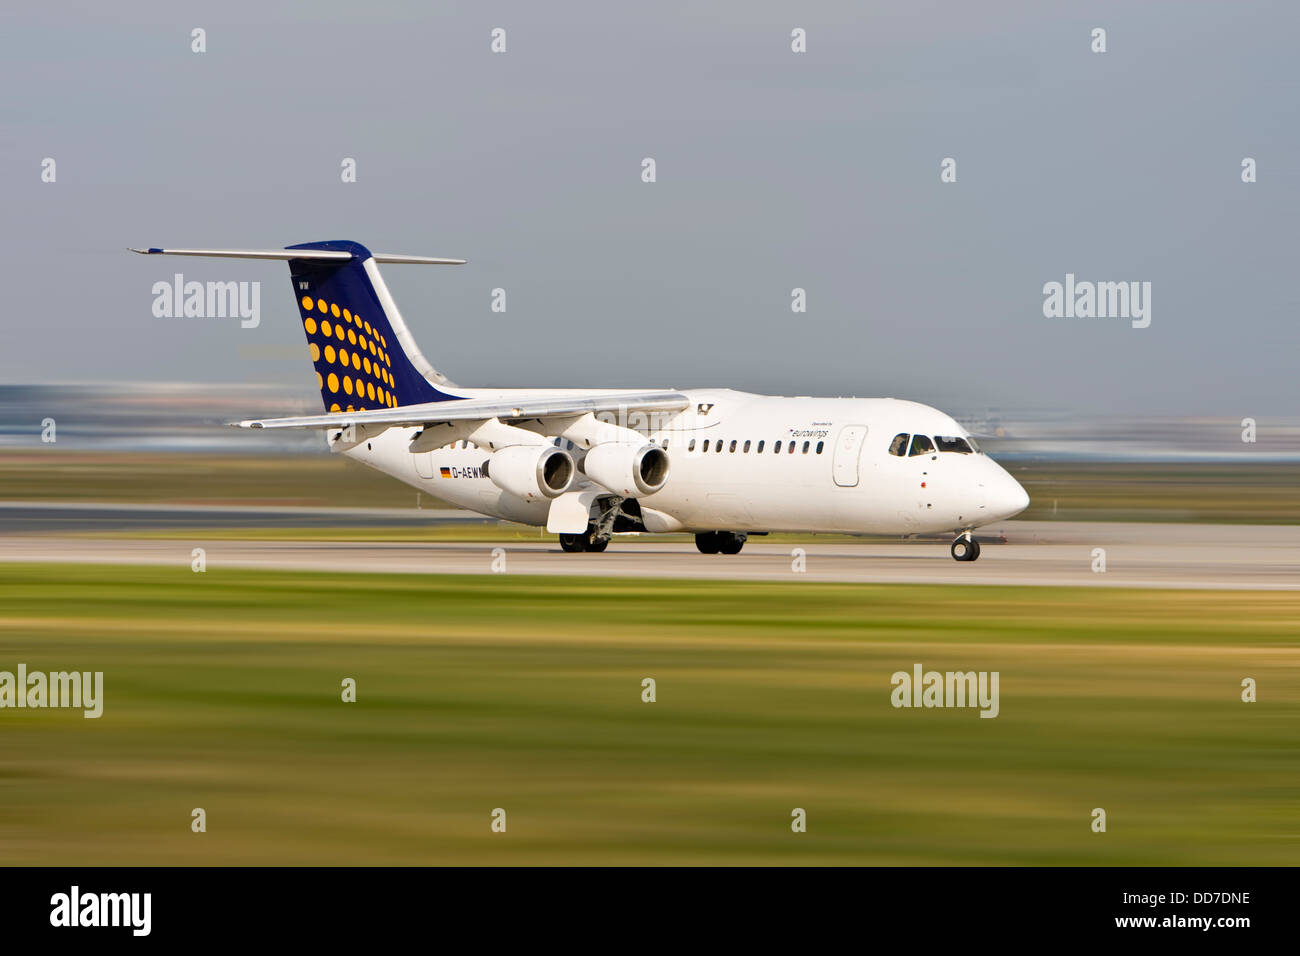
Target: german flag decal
<point x="445" y="471"/>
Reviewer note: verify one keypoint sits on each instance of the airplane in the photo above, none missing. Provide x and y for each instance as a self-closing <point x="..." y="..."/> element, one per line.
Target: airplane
<point x="587" y="464"/>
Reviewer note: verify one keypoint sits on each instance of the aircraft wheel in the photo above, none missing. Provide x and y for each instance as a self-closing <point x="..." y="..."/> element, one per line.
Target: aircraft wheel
<point x="965" y="549"/>
<point x="572" y="542"/>
<point x="707" y="542"/>
<point x="596" y="544"/>
<point x="730" y="542"/>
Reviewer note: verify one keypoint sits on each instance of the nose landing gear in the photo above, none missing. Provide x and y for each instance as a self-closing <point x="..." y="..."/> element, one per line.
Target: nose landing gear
<point x="965" y="547"/>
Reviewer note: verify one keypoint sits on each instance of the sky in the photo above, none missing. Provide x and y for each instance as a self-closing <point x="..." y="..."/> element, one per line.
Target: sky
<point x="775" y="170"/>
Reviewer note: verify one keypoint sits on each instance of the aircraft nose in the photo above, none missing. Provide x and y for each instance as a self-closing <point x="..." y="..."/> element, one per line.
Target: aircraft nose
<point x="1006" y="497"/>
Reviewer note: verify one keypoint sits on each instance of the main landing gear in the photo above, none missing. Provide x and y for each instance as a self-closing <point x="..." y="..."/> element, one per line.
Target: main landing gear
<point x="589" y="540"/>
<point x="720" y="542"/>
<point x="965" y="547"/>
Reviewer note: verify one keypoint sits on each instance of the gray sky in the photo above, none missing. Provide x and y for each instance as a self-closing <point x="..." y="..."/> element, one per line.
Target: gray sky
<point x="775" y="170"/>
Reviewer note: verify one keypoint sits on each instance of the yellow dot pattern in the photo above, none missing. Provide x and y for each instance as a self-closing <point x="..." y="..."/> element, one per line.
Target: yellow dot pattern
<point x="351" y="371"/>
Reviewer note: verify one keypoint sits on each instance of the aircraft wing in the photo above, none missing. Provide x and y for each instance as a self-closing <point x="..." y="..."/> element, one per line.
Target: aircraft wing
<point x="478" y="409"/>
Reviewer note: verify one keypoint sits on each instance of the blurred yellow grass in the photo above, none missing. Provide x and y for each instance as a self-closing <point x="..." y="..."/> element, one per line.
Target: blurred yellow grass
<point x="222" y="692"/>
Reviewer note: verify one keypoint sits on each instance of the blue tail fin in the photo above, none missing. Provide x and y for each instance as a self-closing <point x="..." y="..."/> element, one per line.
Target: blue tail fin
<point x="364" y="355"/>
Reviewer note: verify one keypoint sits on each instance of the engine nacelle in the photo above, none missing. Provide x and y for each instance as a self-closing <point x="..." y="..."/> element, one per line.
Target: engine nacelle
<point x="531" y="471"/>
<point x="627" y="469"/>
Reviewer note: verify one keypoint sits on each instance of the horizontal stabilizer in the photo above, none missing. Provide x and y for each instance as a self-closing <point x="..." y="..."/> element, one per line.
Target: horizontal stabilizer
<point x="335" y="255"/>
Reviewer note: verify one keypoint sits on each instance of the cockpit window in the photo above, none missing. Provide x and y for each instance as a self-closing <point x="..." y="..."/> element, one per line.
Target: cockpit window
<point x="921" y="445"/>
<point x="899" y="445"/>
<point x="956" y="444"/>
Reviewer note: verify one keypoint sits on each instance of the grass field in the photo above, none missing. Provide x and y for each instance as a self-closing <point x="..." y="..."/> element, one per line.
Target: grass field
<point x="222" y="691"/>
<point x="322" y="480"/>
<point x="1241" y="493"/>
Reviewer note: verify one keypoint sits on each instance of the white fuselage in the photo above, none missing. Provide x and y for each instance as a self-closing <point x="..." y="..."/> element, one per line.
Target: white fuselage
<point x="840" y="477"/>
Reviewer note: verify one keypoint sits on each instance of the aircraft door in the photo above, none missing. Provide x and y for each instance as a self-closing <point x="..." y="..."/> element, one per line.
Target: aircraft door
<point x="848" y="449"/>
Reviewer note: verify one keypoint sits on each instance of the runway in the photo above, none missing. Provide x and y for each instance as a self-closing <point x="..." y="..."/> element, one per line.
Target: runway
<point x="1034" y="553"/>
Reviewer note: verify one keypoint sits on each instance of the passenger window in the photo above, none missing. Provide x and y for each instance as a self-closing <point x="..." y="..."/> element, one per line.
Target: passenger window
<point x="777" y="448"/>
<point x="921" y="445"/>
<point x="746" y="448"/>
<point x="899" y="445"/>
<point x="790" y="447"/>
<point x="806" y="446"/>
<point x="956" y="444"/>
<point x="691" y="446"/>
<point x="718" y="447"/>
<point x="759" y="449"/>
<point x="733" y="446"/>
<point x="820" y="446"/>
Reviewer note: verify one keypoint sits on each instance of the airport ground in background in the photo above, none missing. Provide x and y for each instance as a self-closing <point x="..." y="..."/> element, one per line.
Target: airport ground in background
<point x="1245" y="492"/>
<point x="222" y="691"/>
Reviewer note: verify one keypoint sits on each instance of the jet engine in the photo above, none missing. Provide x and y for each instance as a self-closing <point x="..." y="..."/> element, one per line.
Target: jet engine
<point x="531" y="471"/>
<point x="627" y="469"/>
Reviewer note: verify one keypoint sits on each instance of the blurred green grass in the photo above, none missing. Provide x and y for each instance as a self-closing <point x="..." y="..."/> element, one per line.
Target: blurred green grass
<point x="1240" y="492"/>
<point x="222" y="692"/>
<point x="322" y="480"/>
